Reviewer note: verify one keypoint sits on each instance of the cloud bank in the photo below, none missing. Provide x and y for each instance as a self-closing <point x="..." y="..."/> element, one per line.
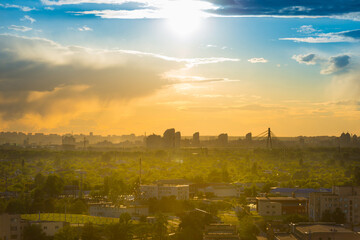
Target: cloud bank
<point x="221" y="8"/>
<point x="331" y="65"/>
<point x="41" y="78"/>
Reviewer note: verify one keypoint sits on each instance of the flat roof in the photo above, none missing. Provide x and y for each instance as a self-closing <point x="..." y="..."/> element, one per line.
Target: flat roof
<point x="284" y="236"/>
<point x="321" y="228"/>
<point x="281" y="198"/>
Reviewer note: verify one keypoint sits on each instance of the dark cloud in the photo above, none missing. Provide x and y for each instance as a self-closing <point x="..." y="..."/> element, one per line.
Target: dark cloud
<point x="39" y="76"/>
<point x="309" y="59"/>
<point x="54" y="72"/>
<point x="336" y="64"/>
<point x="285" y="7"/>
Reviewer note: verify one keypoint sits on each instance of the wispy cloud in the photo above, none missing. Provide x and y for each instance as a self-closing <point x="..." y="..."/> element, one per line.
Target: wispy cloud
<point x="307" y="29"/>
<point x="216" y="46"/>
<point x="19" y="28"/>
<point x="84" y="28"/>
<point x="22" y="8"/>
<point x="316" y="36"/>
<point x="28" y="18"/>
<point x="257" y="60"/>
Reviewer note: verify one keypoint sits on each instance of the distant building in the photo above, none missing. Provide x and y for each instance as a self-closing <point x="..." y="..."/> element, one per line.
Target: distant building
<point x="196" y="139"/>
<point x="169" y="138"/>
<point x="223" y="140"/>
<point x="177" y="139"/>
<point x="298" y="192"/>
<point x="68" y="142"/>
<point x="154" y="141"/>
<point x="345" y="139"/>
<point x="345" y="198"/>
<point x="109" y="210"/>
<point x="180" y="192"/>
<point x="248" y="137"/>
<point x="318" y="231"/>
<point x="221" y="190"/>
<point x="220" y="232"/>
<point x="276" y="206"/>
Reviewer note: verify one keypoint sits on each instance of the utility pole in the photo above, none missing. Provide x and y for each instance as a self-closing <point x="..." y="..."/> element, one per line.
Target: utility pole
<point x="140" y="173"/>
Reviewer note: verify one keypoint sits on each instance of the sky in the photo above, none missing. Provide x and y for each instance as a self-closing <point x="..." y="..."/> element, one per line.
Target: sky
<point x="213" y="66"/>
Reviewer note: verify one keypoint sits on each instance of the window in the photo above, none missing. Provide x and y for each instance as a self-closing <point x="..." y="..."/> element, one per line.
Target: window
<point x="13" y="236"/>
<point x="45" y="227"/>
<point x="13" y="228"/>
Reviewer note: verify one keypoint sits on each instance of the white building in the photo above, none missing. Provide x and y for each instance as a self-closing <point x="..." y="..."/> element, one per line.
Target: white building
<point x="180" y="192"/>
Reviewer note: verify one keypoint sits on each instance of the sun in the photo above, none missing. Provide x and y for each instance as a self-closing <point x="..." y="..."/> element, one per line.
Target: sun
<point x="183" y="17"/>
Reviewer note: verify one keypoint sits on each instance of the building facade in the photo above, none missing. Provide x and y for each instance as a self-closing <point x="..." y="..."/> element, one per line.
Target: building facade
<point x="11" y="226"/>
<point x="180" y="192"/>
<point x="276" y="206"/>
<point x="345" y="198"/>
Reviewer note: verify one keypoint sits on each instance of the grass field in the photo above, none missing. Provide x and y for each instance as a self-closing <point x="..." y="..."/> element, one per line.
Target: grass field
<point x="71" y="218"/>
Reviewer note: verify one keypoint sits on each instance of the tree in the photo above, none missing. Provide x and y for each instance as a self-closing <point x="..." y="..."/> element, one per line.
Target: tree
<point x="39" y="180"/>
<point x="119" y="231"/>
<point x="33" y="232"/>
<point x="15" y="206"/>
<point x="192" y="225"/>
<point x="89" y="232"/>
<point x="160" y="227"/>
<point x="337" y="216"/>
<point x="53" y="185"/>
<point x="247" y="229"/>
<point x="66" y="233"/>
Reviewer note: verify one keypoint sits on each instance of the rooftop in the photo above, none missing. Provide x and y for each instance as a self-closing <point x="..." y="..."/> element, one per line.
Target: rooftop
<point x="321" y="228"/>
<point x="281" y="199"/>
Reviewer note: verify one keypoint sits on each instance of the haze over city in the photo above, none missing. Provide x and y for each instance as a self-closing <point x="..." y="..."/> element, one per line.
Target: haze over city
<point x="121" y="67"/>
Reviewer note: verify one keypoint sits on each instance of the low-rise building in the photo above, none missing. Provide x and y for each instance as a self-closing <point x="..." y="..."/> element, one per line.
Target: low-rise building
<point x="11" y="226"/>
<point x="180" y="192"/>
<point x="347" y="199"/>
<point x="50" y="228"/>
<point x="222" y="190"/>
<point x="276" y="206"/>
<point x="299" y="192"/>
<point x="318" y="231"/>
<point x="220" y="232"/>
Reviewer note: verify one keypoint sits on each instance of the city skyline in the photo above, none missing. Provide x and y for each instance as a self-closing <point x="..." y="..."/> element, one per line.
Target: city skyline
<point x="121" y="67"/>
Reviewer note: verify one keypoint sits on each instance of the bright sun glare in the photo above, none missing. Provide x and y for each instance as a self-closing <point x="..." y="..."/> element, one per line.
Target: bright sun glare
<point x="183" y="17"/>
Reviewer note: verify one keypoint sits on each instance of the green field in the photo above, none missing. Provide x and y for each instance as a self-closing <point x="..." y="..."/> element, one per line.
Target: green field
<point x="71" y="218"/>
